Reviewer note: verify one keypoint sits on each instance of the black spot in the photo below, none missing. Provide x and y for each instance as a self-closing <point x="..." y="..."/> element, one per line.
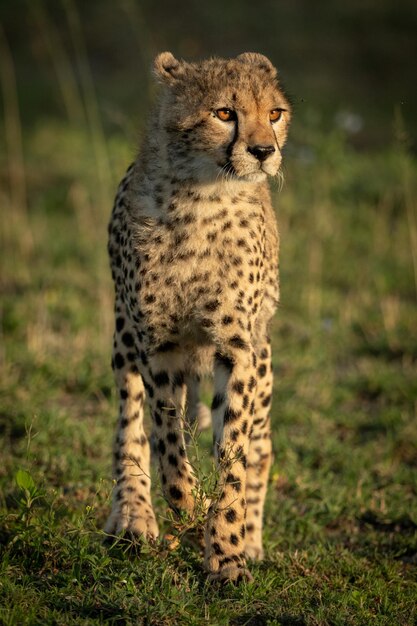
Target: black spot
<point x="175" y="493"/>
<point x="127" y="339"/>
<point x="234" y="435"/>
<point x="143" y="357"/>
<point x="227" y="319"/>
<point x="178" y="379"/>
<point x="217" y="401"/>
<point x="180" y="237"/>
<point x="188" y="219"/>
<point x="233" y="480"/>
<point x="264" y="353"/>
<point x="262" y="370"/>
<point x="230" y="516"/>
<point x="123" y="394"/>
<point x="167" y="346"/>
<point x="238" y="386"/>
<point x="120" y="322"/>
<point x="158" y="419"/>
<point x="234" y="539"/>
<point x="237" y="342"/>
<point x="231" y="415"/>
<point x="226" y="225"/>
<point x="172" y="460"/>
<point x="250" y="528"/>
<point x="185" y="256"/>
<point x="243" y="531"/>
<point x="212" y="305"/>
<point x="226" y="361"/>
<point x="161" y="446"/>
<point x="217" y="549"/>
<point x="245" y="426"/>
<point x="266" y="401"/>
<point x="119" y="360"/>
<point x="161" y="378"/>
<point x="252" y="383"/>
<point x="150" y="298"/>
<point x="149" y="389"/>
<point x="172" y="438"/>
<point x="245" y="402"/>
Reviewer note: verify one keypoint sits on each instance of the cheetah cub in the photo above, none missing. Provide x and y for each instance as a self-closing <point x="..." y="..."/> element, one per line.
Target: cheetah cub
<point x="193" y="244"/>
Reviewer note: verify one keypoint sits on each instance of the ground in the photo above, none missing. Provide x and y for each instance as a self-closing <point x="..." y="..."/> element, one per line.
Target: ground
<point x="341" y="513"/>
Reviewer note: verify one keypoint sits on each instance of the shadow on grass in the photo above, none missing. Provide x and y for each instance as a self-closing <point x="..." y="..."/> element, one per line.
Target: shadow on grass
<point x="262" y="619"/>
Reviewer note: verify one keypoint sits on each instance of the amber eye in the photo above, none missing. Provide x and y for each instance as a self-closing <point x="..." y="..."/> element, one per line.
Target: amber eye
<point x="275" y="115"/>
<point x="226" y="115"/>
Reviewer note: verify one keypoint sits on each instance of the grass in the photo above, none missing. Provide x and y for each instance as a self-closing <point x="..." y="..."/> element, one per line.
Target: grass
<point x="341" y="515"/>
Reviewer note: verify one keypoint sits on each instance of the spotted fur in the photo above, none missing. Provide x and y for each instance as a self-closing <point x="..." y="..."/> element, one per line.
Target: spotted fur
<point x="193" y="244"/>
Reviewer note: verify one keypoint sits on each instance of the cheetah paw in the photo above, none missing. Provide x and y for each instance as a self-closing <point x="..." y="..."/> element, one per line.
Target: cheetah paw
<point x="133" y="525"/>
<point x="254" y="552"/>
<point x="203" y="416"/>
<point x="231" y="574"/>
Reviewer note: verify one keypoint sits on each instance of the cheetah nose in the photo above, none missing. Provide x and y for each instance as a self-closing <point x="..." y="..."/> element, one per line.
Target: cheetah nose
<point x="261" y="152"/>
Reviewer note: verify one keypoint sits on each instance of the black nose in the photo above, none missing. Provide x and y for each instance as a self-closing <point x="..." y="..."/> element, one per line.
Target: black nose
<point x="261" y="152"/>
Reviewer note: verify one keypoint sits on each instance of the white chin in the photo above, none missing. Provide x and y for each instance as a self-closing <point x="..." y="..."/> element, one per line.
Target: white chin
<point x="269" y="170"/>
<point x="255" y="177"/>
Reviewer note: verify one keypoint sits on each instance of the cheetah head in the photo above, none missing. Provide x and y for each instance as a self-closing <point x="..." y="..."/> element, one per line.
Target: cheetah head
<point x="222" y="118"/>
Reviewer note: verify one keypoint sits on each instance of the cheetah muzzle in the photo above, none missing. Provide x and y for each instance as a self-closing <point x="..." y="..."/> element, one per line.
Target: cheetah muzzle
<point x="193" y="243"/>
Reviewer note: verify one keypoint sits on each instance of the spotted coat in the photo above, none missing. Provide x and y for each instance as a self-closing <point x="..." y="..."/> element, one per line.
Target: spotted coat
<point x="193" y="244"/>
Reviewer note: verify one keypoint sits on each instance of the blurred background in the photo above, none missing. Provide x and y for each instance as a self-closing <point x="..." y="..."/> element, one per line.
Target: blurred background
<point x="353" y="63"/>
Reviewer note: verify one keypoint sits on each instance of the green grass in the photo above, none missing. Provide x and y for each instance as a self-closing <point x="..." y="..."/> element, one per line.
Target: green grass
<point x="341" y="514"/>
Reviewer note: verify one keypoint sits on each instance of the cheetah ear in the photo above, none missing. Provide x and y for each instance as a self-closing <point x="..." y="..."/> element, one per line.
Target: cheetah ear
<point x="168" y="69"/>
<point x="260" y="61"/>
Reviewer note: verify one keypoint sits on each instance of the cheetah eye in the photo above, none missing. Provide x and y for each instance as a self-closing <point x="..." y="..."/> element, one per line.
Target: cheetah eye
<point x="275" y="115"/>
<point x="226" y="115"/>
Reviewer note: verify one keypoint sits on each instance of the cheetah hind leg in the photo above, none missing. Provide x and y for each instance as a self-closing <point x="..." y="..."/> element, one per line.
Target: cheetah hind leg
<point x="198" y="414"/>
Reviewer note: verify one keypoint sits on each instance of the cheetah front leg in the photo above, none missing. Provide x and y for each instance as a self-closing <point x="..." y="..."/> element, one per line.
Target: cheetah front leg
<point x="132" y="510"/>
<point x="167" y="395"/>
<point x="233" y="407"/>
<point x="259" y="455"/>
